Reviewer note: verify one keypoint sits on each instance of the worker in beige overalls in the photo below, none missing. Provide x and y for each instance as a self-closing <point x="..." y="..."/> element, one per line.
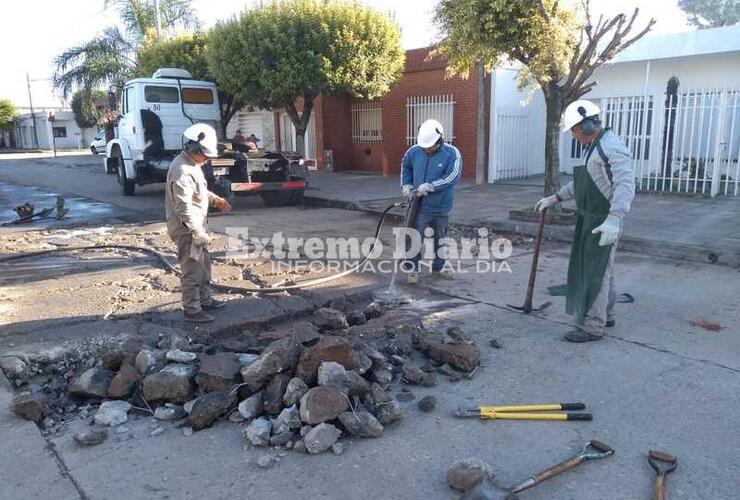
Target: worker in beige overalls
<point x="603" y="188"/>
<point x="186" y="204"/>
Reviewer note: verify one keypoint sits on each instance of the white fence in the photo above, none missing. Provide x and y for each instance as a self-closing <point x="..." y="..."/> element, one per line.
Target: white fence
<point x="511" y="132"/>
<point x="367" y="121"/>
<point x="422" y="108"/>
<point x="691" y="145"/>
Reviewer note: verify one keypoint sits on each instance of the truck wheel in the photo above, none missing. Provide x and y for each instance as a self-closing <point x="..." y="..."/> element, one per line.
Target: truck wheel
<point x="296" y="197"/>
<point x="276" y="198"/>
<point x="127" y="186"/>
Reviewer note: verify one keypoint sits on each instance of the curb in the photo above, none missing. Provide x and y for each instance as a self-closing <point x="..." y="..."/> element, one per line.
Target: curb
<point x="655" y="248"/>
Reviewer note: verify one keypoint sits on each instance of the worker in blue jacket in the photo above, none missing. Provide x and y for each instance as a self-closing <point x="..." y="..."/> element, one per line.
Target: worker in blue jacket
<point x="432" y="168"/>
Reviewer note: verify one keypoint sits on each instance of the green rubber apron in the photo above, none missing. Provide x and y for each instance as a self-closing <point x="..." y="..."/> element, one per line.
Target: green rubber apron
<point x="588" y="260"/>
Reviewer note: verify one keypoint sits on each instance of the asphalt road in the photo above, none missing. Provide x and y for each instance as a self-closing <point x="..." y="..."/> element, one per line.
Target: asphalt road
<point x="662" y="379"/>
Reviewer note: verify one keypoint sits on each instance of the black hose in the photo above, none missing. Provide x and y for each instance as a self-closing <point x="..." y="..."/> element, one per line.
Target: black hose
<point x="224" y="288"/>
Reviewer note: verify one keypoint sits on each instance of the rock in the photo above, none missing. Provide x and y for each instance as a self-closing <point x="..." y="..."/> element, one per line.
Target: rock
<point x="385" y="409"/>
<point x="329" y="348"/>
<point x="337" y="448"/>
<point x="333" y="374"/>
<point x="272" y="396"/>
<point x="280" y="356"/>
<point x="382" y="376"/>
<point x="405" y="397"/>
<point x="305" y="430"/>
<point x="321" y="438"/>
<point x="363" y="363"/>
<point x="14" y="367"/>
<point x="208" y="408"/>
<point x="174" y="383"/>
<point x="187" y="431"/>
<point x="356" y="318"/>
<point x="124" y="382"/>
<point x="157" y="431"/>
<point x="294" y="391"/>
<point x="300" y="447"/>
<point x="288" y="420"/>
<point x="320" y="404"/>
<point x="92" y="383"/>
<point x="121" y="429"/>
<point x="178" y="356"/>
<point x="327" y="318"/>
<point x="266" y="461"/>
<point x="361" y="424"/>
<point x="112" y="413"/>
<point x="464" y="475"/>
<point x="304" y="332"/>
<point x="427" y="403"/>
<point x="258" y="432"/>
<point x="456" y="334"/>
<point x="462" y="356"/>
<point x="218" y="372"/>
<point x="112" y="361"/>
<point x="30" y="406"/>
<point x="282" y="439"/>
<point x="373" y="310"/>
<point x="416" y="376"/>
<point x="246" y="359"/>
<point x="91" y="436"/>
<point x="188" y="407"/>
<point x="339" y="303"/>
<point x="251" y="407"/>
<point x="145" y="361"/>
<point x="494" y="343"/>
<point x="170" y="412"/>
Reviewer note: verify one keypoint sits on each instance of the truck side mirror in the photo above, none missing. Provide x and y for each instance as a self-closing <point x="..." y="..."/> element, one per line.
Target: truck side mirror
<point x="112" y="101"/>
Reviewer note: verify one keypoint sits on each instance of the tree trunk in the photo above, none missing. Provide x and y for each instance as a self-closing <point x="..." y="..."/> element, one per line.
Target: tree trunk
<point x="480" y="150"/>
<point x="552" y="142"/>
<point x="300" y="141"/>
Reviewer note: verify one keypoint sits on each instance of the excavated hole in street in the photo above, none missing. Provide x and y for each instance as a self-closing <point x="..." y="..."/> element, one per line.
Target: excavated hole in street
<point x="304" y="384"/>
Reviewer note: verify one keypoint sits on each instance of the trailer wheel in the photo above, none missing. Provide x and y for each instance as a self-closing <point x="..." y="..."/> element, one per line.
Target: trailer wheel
<point x="128" y="187"/>
<point x="276" y="198"/>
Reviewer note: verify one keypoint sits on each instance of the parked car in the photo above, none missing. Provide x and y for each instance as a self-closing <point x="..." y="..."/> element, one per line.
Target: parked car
<point x="98" y="143"/>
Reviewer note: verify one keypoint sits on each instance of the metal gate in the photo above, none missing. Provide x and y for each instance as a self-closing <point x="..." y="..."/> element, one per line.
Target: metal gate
<point x="422" y="108"/>
<point x="509" y="155"/>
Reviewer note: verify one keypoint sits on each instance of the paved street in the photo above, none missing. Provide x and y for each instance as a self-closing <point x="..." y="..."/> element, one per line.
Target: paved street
<point x="666" y="376"/>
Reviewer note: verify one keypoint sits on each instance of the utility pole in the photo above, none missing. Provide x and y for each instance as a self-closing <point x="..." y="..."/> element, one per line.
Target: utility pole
<point x="33" y="116"/>
<point x="157" y="20"/>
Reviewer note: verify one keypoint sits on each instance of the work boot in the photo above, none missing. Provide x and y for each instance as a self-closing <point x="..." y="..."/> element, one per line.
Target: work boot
<point x="579" y="336"/>
<point x="413" y="278"/>
<point x="611" y="323"/>
<point x="199" y="317"/>
<point x="213" y="304"/>
<point x="443" y="275"/>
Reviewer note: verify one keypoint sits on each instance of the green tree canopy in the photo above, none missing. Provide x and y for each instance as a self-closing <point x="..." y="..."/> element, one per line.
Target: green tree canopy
<point x="558" y="47"/>
<point x="7" y="114"/>
<point x="711" y="13"/>
<point x="110" y="57"/>
<point x="271" y="56"/>
<point x="186" y="51"/>
<point x="87" y="106"/>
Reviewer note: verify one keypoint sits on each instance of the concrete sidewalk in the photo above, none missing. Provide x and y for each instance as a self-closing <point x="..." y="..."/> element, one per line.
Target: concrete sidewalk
<point x="684" y="227"/>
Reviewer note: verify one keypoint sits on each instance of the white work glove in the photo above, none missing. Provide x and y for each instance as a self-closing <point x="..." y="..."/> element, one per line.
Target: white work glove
<point x="200" y="238"/>
<point x="425" y="189"/>
<point x="609" y="230"/>
<point x="406" y="190"/>
<point x="546" y="202"/>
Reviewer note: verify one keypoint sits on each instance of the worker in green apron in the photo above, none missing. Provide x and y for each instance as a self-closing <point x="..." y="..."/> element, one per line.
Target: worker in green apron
<point x="603" y="189"/>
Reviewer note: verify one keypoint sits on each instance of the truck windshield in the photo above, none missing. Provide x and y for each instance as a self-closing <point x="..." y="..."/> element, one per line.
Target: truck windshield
<point x="155" y="93"/>
<point x="192" y="95"/>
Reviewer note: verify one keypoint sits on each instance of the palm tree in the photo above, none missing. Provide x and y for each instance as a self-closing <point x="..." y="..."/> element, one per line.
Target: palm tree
<point x="110" y="57"/>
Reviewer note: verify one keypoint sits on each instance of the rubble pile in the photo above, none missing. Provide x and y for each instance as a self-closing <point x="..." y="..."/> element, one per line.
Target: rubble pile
<point x="314" y="383"/>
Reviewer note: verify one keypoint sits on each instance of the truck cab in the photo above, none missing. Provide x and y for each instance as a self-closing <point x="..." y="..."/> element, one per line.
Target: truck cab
<point x="154" y="113"/>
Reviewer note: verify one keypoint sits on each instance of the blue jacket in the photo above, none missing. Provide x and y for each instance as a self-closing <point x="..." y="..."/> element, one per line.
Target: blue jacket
<point x="441" y="169"/>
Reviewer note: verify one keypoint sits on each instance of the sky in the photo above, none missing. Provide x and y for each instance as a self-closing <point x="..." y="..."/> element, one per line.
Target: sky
<point x="34" y="31"/>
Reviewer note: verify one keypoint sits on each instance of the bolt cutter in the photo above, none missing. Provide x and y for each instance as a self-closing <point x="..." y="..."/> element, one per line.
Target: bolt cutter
<point x="525" y="412"/>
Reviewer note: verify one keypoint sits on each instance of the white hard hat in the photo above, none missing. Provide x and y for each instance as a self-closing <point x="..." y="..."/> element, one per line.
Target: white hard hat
<point x="577" y="111"/>
<point x="429" y="133"/>
<point x="205" y="136"/>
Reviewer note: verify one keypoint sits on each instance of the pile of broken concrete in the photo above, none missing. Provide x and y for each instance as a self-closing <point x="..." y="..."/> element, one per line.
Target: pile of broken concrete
<point x="313" y="384"/>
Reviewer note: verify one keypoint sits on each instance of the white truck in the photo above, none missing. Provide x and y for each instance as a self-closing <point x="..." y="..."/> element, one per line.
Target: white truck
<point x="154" y="113"/>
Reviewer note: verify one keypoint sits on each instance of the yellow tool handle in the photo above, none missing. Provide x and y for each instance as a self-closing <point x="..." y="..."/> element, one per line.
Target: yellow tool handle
<point x="541" y="407"/>
<point x="533" y="416"/>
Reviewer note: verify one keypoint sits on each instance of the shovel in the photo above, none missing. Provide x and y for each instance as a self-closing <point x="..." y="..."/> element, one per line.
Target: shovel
<point x="663" y="464"/>
<point x="527" y="307"/>
<point x="488" y="491"/>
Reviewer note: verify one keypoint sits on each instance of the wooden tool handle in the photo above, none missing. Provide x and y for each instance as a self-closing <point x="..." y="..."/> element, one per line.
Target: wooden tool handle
<point x="660" y="492"/>
<point x="557" y="469"/>
<point x="535" y="257"/>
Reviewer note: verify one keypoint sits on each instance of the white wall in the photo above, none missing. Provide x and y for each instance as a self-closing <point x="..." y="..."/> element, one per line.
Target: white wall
<point x="76" y="138"/>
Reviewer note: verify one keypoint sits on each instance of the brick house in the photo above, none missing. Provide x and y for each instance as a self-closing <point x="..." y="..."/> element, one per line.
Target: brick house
<point x="346" y="133"/>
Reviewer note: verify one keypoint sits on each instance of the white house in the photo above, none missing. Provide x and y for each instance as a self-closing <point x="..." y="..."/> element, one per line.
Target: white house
<point x="690" y="143"/>
<point x="63" y="130"/>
